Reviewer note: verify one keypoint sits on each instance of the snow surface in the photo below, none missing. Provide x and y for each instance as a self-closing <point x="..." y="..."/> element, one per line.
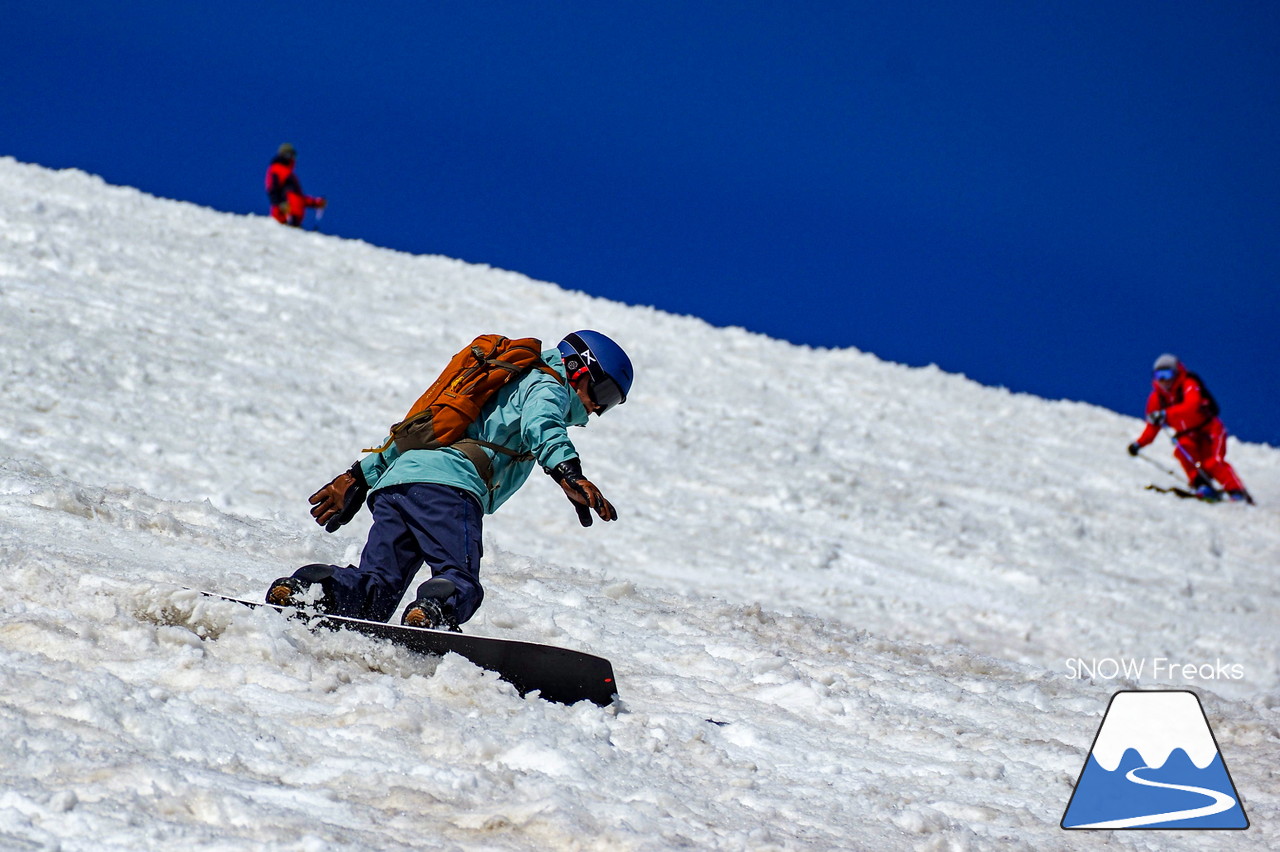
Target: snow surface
<point x="841" y="600"/>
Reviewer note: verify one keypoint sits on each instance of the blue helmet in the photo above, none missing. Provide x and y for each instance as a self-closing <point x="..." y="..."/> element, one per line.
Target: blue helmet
<point x="605" y="363"/>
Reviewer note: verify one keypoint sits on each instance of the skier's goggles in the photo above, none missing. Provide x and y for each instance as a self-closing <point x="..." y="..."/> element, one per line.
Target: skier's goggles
<point x="605" y="393"/>
<point x="603" y="390"/>
<point x="1163" y="375"/>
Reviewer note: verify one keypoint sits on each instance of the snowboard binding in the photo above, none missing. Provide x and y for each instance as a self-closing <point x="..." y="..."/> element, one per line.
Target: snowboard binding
<point x="294" y="591"/>
<point x="430" y="609"/>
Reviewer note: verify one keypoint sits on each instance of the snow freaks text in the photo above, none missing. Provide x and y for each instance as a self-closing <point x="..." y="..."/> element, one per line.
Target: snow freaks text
<point x="1158" y="668"/>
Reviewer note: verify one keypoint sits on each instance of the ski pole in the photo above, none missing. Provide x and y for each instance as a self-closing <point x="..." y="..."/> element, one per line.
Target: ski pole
<point x="1183" y="450"/>
<point x="1201" y="477"/>
<point x="1160" y="467"/>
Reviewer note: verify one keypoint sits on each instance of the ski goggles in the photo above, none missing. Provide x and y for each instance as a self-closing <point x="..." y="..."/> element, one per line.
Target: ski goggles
<point x="1164" y="375"/>
<point x="601" y="388"/>
<point x="605" y="393"/>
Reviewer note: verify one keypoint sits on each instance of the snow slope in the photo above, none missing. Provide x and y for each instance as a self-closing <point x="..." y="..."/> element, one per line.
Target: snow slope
<point x="841" y="600"/>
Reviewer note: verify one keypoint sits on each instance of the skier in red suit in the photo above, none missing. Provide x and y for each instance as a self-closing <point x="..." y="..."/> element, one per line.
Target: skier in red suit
<point x="1180" y="401"/>
<point x="288" y="202"/>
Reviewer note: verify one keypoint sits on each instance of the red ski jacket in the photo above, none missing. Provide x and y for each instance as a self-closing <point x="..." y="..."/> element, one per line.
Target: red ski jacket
<point x="1185" y="407"/>
<point x="281" y="181"/>
<point x="284" y="191"/>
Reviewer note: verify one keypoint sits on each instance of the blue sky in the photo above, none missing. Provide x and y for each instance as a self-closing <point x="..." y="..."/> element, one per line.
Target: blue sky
<point x="1042" y="196"/>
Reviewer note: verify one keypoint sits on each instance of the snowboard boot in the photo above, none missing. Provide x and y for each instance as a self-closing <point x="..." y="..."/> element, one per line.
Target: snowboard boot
<point x="1240" y="496"/>
<point x="430" y="609"/>
<point x="295" y="591"/>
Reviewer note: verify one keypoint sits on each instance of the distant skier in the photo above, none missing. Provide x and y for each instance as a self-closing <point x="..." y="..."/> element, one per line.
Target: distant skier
<point x="428" y="504"/>
<point x="1180" y="401"/>
<point x="288" y="202"/>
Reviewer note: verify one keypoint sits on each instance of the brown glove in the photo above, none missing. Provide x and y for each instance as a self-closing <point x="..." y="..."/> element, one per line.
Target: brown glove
<point x="338" y="502"/>
<point x="582" y="493"/>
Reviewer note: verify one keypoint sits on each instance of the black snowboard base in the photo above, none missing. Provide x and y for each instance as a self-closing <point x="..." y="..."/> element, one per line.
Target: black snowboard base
<point x="556" y="674"/>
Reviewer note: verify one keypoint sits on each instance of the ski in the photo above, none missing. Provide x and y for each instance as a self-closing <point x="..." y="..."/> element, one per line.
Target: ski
<point x="1186" y="494"/>
<point x="560" y="675"/>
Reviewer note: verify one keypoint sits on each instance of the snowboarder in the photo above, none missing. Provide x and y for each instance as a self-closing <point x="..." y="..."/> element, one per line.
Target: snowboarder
<point x="1180" y="401"/>
<point x="288" y="202"/>
<point x="427" y="504"/>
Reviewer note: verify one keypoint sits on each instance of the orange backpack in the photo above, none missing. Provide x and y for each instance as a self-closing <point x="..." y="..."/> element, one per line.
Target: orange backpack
<point x="441" y="416"/>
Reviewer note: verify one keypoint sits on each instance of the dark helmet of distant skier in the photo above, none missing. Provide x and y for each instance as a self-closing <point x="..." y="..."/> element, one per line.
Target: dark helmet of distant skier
<point x="603" y="361"/>
<point x="287" y="151"/>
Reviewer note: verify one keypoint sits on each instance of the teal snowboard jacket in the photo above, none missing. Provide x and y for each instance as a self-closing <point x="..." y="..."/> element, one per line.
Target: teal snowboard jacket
<point x="529" y="415"/>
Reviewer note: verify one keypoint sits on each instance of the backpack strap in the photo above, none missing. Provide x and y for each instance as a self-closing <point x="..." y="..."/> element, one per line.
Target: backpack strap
<point x="473" y="449"/>
<point x="544" y="367"/>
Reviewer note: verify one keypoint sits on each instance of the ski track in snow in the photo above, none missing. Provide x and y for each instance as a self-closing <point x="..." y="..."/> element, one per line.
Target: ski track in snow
<point x="839" y="598"/>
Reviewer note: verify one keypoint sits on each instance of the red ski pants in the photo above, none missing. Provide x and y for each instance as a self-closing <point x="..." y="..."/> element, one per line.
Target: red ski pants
<point x="1205" y="449"/>
<point x="297" y="209"/>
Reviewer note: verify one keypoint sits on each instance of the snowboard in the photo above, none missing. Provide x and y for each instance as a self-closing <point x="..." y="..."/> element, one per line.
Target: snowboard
<point x="557" y="674"/>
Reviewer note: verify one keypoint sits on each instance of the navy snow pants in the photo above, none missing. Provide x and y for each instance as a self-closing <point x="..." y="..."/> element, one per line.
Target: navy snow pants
<point x="414" y="524"/>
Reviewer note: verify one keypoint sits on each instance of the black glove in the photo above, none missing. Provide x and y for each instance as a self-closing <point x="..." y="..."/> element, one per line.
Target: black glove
<point x="338" y="502"/>
<point x="1156" y="418"/>
<point x="1133" y="448"/>
<point x="582" y="493"/>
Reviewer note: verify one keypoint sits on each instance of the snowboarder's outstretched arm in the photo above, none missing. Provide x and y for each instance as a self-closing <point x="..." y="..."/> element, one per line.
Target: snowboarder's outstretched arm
<point x="543" y="424"/>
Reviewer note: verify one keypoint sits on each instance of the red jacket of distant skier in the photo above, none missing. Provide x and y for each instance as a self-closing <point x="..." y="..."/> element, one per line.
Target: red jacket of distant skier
<point x="288" y="202"/>
<point x="1186" y="408"/>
